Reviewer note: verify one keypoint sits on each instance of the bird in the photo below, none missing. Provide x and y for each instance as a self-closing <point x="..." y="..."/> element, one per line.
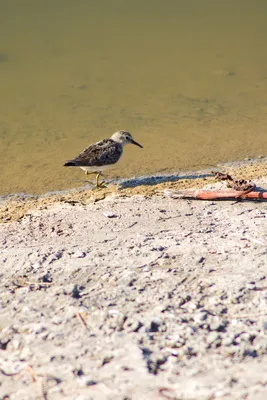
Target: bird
<point x="102" y="155"/>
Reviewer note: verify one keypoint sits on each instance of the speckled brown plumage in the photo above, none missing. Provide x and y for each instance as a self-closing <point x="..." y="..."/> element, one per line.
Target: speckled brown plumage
<point x="105" y="152"/>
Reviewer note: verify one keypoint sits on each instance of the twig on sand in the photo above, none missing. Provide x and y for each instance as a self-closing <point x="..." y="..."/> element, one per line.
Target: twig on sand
<point x="167" y="393"/>
<point x="44" y="387"/>
<point x="21" y="281"/>
<point x="82" y="321"/>
<point x="2" y="371"/>
<point x="244" y="316"/>
<point x="32" y="373"/>
<point x="251" y="239"/>
<point x="42" y="380"/>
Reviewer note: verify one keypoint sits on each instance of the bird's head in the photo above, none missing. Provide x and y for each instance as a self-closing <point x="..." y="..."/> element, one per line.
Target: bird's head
<point x="124" y="138"/>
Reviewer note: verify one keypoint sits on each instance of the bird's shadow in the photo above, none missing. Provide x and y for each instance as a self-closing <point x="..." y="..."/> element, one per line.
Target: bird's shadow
<point x="155" y="180"/>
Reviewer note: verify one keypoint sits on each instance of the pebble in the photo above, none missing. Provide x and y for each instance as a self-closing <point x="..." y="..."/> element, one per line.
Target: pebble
<point x="25" y="354"/>
<point x="228" y="340"/>
<point x="38" y="328"/>
<point x="244" y="337"/>
<point x="79" y="254"/>
<point x="218" y="325"/>
<point x="155" y="325"/>
<point x="91" y="382"/>
<point x="133" y="325"/>
<point x="191" y="306"/>
<point x="146" y="269"/>
<point x="56" y="320"/>
<point x="200" y="317"/>
<point x="110" y="214"/>
<point x="213" y="338"/>
<point x="251" y="286"/>
<point x="76" y="292"/>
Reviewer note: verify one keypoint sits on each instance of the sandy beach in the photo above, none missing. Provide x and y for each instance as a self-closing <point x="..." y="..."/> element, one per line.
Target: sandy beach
<point x="123" y="293"/>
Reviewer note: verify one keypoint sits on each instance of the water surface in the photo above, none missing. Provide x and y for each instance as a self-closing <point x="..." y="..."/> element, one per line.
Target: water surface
<point x="187" y="78"/>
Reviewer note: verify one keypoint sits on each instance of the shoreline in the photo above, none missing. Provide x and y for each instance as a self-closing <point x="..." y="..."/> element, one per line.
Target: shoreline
<point x="15" y="206"/>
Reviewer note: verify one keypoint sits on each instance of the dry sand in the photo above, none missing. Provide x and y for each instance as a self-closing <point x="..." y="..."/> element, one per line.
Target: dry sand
<point x="126" y="294"/>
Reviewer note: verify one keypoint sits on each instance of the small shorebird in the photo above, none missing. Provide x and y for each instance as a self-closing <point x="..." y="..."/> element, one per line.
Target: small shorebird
<point x="102" y="155"/>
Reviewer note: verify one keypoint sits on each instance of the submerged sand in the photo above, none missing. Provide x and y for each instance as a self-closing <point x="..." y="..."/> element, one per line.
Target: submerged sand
<point x="126" y="294"/>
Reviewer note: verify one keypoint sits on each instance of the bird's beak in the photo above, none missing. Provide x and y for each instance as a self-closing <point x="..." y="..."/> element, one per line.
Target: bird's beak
<point x="137" y="144"/>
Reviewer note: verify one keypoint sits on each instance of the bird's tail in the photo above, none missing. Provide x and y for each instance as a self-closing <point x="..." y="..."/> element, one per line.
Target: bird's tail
<point x="69" y="164"/>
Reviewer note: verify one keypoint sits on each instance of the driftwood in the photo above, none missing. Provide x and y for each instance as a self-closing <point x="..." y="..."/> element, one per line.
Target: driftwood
<point x="242" y="190"/>
<point x="212" y="195"/>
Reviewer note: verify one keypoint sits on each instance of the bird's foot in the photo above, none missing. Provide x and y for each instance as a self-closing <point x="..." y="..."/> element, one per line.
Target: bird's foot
<point x="100" y="185"/>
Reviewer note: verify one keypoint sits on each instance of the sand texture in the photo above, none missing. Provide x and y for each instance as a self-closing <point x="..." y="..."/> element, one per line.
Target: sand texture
<point x="134" y="297"/>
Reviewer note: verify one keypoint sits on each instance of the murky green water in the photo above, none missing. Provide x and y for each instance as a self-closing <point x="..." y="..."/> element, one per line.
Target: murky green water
<point x="188" y="78"/>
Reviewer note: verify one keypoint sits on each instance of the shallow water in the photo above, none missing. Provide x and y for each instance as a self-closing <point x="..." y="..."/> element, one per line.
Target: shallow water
<point x="187" y="78"/>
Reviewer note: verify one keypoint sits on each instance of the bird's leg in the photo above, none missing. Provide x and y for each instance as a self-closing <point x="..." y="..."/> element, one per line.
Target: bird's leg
<point x="101" y="184"/>
<point x="90" y="173"/>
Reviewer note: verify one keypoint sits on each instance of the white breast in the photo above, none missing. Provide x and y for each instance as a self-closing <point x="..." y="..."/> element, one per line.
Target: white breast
<point x="96" y="169"/>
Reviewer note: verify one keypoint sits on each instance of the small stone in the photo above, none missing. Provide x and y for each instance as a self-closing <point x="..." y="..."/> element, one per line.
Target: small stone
<point x="91" y="382"/>
<point x="155" y="325"/>
<point x="260" y="345"/>
<point x="79" y="254"/>
<point x="78" y="372"/>
<point x="218" y="325"/>
<point x="251" y="286"/>
<point x="105" y="360"/>
<point x="146" y="269"/>
<point x="210" y="270"/>
<point x="133" y="325"/>
<point x="175" y="342"/>
<point x="110" y="214"/>
<point x="190" y="330"/>
<point x="250" y="353"/>
<point x="38" y="328"/>
<point x="200" y="317"/>
<point x="189" y="352"/>
<point x="47" y="278"/>
<point x="58" y="254"/>
<point x="25" y="354"/>
<point x="228" y="340"/>
<point x="76" y="292"/>
<point x="113" y="312"/>
<point x="214" y="339"/>
<point x="191" y="306"/>
<point x="56" y="320"/>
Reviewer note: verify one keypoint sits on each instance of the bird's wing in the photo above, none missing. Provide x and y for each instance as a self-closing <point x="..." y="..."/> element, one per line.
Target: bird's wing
<point x="105" y="152"/>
